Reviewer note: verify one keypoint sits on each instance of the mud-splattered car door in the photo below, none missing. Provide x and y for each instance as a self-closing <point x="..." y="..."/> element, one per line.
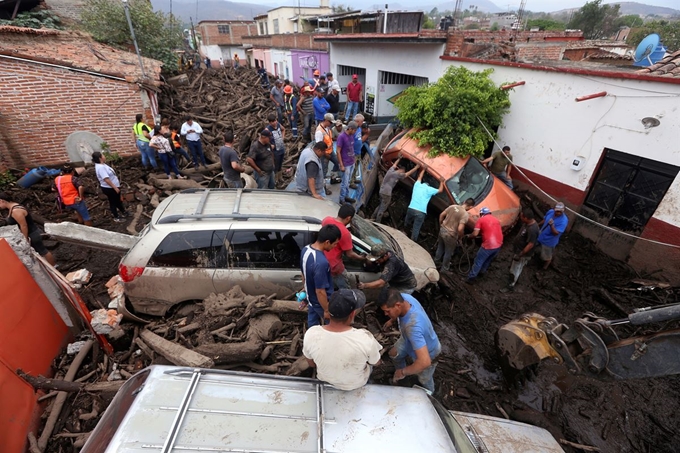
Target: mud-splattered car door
<point x="262" y="261"/>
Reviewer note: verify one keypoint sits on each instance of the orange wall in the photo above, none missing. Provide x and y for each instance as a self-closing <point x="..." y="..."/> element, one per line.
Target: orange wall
<point x="31" y="336"/>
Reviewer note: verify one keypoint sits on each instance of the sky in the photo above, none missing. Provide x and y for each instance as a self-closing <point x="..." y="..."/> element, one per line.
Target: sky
<point x="531" y="5"/>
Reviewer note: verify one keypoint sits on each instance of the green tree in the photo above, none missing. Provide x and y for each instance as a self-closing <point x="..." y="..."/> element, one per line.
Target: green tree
<point x="157" y="34"/>
<point x="668" y="31"/>
<point x="495" y="27"/>
<point x="595" y="19"/>
<point x="428" y="23"/>
<point x="341" y="8"/>
<point x="434" y="12"/>
<point x="35" y="19"/>
<point x="546" y="24"/>
<point x="447" y="113"/>
<point x="631" y="20"/>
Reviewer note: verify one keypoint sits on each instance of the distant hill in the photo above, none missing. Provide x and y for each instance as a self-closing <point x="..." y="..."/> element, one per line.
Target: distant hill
<point x="482" y="5"/>
<point x="639" y="9"/>
<point x="210" y="10"/>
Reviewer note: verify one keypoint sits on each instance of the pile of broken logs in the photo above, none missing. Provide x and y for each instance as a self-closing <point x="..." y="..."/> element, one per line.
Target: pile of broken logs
<point x="225" y="331"/>
<point x="219" y="99"/>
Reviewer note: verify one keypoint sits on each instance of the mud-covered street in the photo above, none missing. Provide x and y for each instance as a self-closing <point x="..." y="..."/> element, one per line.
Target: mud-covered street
<point x="614" y="416"/>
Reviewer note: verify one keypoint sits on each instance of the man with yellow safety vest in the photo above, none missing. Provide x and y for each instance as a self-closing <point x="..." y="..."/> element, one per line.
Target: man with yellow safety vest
<point x="143" y="137"/>
<point x="72" y="194"/>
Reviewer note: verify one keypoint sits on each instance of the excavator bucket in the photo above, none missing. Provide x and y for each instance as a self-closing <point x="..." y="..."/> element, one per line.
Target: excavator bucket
<point x="523" y="342"/>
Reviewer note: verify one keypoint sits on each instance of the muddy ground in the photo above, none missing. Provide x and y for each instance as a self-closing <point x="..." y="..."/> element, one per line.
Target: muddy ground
<point x="633" y="416"/>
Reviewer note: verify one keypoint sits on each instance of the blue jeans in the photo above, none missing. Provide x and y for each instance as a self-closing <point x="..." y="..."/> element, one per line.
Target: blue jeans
<point x="418" y="219"/>
<point x="233" y="184"/>
<point x="341" y="281"/>
<point x="351" y="110"/>
<point x="482" y="261"/>
<point x="307" y="121"/>
<point x="324" y="163"/>
<point x="425" y="377"/>
<point x="503" y="176"/>
<point x="344" y="185"/>
<point x="293" y="118"/>
<point x="148" y="154"/>
<point x="279" y="114"/>
<point x="314" y="315"/>
<point x="182" y="153"/>
<point x="265" y="182"/>
<point x="196" y="149"/>
<point x="169" y="164"/>
<point x="278" y="159"/>
<point x="81" y="208"/>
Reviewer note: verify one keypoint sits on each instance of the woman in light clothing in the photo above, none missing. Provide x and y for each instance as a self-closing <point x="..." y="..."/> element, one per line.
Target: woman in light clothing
<point x="110" y="186"/>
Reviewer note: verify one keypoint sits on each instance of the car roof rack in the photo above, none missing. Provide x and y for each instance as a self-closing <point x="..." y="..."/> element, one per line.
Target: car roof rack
<point x="235" y="214"/>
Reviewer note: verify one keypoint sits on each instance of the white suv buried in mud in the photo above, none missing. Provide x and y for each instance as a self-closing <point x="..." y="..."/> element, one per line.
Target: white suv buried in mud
<point x="207" y="240"/>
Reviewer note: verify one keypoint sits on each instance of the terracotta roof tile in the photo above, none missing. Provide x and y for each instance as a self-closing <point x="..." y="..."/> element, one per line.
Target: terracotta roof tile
<point x="669" y="66"/>
<point x="76" y="50"/>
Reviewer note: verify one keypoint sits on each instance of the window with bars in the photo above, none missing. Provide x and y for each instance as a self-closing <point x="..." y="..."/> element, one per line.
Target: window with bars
<point x="276" y="26"/>
<point x="223" y="29"/>
<point x="392" y="78"/>
<point x="349" y="70"/>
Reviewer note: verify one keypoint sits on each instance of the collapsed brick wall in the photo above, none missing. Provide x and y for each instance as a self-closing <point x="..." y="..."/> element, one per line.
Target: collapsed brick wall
<point x="457" y="39"/>
<point x="41" y="106"/>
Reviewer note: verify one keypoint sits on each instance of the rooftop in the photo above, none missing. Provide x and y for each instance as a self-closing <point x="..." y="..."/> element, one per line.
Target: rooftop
<point x="228" y="21"/>
<point x="424" y="36"/>
<point x="75" y="50"/>
<point x="667" y="68"/>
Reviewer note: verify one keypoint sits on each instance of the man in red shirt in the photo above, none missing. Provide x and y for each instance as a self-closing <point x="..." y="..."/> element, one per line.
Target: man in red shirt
<point x="354" y="96"/>
<point x="334" y="256"/>
<point x="492" y="240"/>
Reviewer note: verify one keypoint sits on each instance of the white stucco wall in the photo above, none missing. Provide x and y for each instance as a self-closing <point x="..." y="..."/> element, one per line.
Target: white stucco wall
<point x="547" y="128"/>
<point x="421" y="60"/>
<point x="284" y="15"/>
<point x="284" y="62"/>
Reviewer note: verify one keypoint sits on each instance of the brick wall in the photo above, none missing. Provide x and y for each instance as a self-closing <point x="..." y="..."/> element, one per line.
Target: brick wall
<point x="211" y="35"/>
<point x="456" y="40"/>
<point x="303" y="41"/>
<point x="539" y="51"/>
<point x="40" y="106"/>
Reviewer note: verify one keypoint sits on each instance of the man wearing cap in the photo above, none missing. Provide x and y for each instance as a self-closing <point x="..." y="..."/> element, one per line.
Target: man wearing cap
<point x="354" y="96"/>
<point x="345" y="246"/>
<point x="343" y="356"/>
<point x="333" y="99"/>
<point x="492" y="239"/>
<point x="452" y="222"/>
<point x="316" y="274"/>
<point x="323" y="84"/>
<point x="501" y="165"/>
<point x="395" y="272"/>
<point x="552" y="226"/>
<point x="418" y="341"/>
<point x="314" y="81"/>
<point x="278" y="146"/>
<point x="290" y="105"/>
<point x="308" y="176"/>
<point x="321" y="106"/>
<point x="417" y="208"/>
<point x="192" y="131"/>
<point x="276" y="95"/>
<point x="345" y="150"/>
<point x="306" y="108"/>
<point x="261" y="158"/>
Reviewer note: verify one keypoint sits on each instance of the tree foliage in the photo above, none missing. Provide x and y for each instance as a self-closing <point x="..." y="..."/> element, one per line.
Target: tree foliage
<point x="35" y="19"/>
<point x="546" y="24"/>
<point x="630" y="20"/>
<point x="428" y="24"/>
<point x="668" y="31"/>
<point x="157" y="34"/>
<point x="447" y="113"/>
<point x="595" y="19"/>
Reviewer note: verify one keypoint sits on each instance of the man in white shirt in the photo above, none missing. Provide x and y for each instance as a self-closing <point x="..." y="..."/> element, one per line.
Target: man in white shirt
<point x="343" y="356"/>
<point x="192" y="131"/>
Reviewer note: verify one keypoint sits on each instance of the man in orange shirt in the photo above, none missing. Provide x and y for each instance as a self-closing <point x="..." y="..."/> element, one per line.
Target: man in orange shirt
<point x="344" y="246"/>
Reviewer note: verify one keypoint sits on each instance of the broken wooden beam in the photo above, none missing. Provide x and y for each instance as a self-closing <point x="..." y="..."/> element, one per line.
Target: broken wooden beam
<point x="179" y="355"/>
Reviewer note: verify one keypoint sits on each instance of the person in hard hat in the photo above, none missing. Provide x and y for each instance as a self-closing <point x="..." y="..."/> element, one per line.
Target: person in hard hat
<point x="552" y="226"/>
<point x="314" y="81"/>
<point x="290" y="105"/>
<point x="489" y="228"/>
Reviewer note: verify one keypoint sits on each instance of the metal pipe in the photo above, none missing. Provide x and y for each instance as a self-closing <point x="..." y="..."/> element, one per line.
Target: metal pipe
<point x="385" y="20"/>
<point x="62" y="67"/>
<point x="134" y="39"/>
<point x="512" y="85"/>
<point x="591" y="96"/>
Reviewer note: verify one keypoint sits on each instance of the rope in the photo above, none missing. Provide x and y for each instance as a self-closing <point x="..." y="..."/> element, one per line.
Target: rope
<point x="606" y="227"/>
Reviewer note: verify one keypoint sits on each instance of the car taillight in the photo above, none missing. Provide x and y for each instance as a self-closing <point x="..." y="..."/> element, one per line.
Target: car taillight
<point x="129" y="273"/>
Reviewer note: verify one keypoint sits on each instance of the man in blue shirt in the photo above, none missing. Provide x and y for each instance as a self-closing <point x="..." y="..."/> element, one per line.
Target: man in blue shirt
<point x="418" y="340"/>
<point x="316" y="274"/>
<point x="417" y="209"/>
<point x="321" y="106"/>
<point x="552" y="226"/>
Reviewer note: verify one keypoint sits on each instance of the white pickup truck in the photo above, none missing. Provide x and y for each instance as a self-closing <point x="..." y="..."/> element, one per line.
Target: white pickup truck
<point x="174" y="409"/>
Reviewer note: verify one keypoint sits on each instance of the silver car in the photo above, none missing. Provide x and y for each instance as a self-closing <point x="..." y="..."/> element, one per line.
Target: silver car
<point x="208" y="240"/>
<point x="173" y="409"/>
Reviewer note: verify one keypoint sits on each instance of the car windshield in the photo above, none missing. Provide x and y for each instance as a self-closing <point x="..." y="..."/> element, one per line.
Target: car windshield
<point x="369" y="233"/>
<point x="469" y="182"/>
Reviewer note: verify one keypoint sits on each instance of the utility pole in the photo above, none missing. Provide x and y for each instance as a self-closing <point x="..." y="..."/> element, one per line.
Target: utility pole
<point x="134" y="39"/>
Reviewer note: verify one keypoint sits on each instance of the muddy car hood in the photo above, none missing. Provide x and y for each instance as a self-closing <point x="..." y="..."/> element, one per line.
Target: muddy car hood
<point x="417" y="258"/>
<point x="506" y="436"/>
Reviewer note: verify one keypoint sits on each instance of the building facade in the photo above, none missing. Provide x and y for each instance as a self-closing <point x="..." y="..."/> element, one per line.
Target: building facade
<point x="224" y="39"/>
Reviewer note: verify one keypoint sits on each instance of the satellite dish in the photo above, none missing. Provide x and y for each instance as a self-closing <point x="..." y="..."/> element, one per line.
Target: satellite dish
<point x="649" y="51"/>
<point x="81" y="144"/>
